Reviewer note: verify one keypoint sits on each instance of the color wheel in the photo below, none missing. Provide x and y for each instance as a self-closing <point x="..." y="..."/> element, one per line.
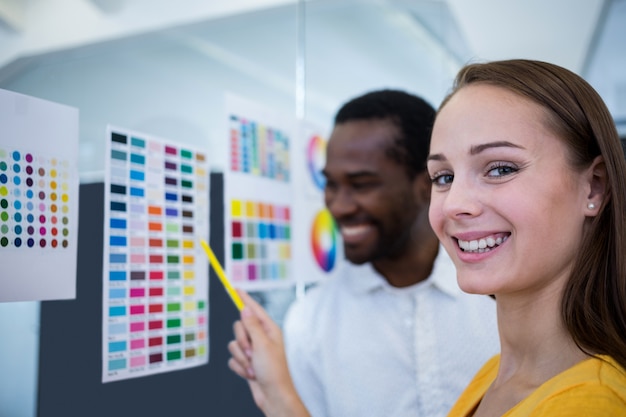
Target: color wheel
<point x="316" y="158"/>
<point x="324" y="240"/>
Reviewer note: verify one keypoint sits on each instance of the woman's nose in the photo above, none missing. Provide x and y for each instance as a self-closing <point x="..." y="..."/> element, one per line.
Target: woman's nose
<point x="461" y="200"/>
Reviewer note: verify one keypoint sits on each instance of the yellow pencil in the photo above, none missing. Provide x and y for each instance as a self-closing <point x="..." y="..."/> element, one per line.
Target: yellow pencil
<point x="222" y="276"/>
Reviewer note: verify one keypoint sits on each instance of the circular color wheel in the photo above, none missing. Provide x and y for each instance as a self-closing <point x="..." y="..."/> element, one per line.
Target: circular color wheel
<point x="316" y="158"/>
<point x="324" y="240"/>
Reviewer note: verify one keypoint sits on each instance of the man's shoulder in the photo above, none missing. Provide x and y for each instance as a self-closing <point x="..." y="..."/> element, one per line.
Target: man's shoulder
<point x="307" y="318"/>
<point x="317" y="298"/>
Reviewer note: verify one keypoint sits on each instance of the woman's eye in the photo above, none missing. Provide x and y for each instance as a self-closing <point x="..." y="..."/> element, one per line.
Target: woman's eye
<point x="442" y="179"/>
<point x="501" y="171"/>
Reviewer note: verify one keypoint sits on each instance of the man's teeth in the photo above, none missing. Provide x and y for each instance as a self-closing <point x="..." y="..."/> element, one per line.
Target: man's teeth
<point x="349" y="231"/>
<point x="481" y="245"/>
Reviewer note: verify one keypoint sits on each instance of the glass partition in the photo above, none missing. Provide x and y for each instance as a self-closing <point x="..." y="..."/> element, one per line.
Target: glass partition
<point x="303" y="60"/>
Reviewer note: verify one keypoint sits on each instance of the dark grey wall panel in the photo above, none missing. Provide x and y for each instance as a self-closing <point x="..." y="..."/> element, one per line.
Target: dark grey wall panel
<point x="70" y="369"/>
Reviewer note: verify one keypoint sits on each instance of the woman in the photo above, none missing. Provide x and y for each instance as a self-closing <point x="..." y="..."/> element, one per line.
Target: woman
<point x="529" y="200"/>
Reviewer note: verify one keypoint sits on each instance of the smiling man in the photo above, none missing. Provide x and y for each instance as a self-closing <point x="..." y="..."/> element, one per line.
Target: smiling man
<point x="391" y="334"/>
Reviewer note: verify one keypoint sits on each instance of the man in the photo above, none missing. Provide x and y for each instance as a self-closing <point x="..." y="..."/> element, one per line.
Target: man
<point x="392" y="334"/>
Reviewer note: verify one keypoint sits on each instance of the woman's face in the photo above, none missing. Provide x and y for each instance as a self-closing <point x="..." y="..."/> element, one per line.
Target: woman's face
<point x="506" y="204"/>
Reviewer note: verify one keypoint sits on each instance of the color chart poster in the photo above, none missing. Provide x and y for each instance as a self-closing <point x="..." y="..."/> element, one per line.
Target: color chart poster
<point x="319" y="253"/>
<point x="258" y="197"/>
<point x="38" y="198"/>
<point x="155" y="298"/>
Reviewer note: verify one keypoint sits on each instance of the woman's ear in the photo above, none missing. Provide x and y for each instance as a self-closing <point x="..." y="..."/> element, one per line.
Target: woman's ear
<point x="598" y="186"/>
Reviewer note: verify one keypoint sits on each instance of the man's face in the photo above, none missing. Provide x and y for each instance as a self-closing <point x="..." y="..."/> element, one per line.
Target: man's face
<point x="369" y="194"/>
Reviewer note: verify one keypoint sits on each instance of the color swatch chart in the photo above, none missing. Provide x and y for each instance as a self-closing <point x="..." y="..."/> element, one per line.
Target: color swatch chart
<point x="258" y="150"/>
<point x="260" y="241"/>
<point x="155" y="304"/>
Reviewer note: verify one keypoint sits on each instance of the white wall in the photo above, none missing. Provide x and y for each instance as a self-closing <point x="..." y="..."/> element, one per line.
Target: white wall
<point x="19" y="358"/>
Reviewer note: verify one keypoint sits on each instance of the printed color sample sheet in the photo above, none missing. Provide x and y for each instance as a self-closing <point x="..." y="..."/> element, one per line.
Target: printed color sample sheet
<point x="257" y="188"/>
<point x="320" y="255"/>
<point x="38" y="198"/>
<point x="155" y="292"/>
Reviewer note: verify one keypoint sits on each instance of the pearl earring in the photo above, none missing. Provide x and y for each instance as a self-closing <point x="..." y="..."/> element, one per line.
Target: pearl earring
<point x="591" y="206"/>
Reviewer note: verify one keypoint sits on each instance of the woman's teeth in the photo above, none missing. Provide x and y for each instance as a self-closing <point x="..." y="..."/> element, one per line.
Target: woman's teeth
<point x="481" y="245"/>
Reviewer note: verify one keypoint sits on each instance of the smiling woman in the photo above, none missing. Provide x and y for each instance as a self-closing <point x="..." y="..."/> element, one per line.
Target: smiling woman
<point x="529" y="199"/>
<point x="520" y="191"/>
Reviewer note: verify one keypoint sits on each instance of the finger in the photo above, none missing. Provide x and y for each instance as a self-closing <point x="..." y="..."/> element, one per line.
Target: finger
<point x="253" y="328"/>
<point x="253" y="306"/>
<point x="238" y="354"/>
<point x="236" y="367"/>
<point x="242" y="337"/>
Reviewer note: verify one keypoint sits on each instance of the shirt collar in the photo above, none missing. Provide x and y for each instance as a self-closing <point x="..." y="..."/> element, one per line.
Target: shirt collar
<point x="364" y="278"/>
<point x="443" y="275"/>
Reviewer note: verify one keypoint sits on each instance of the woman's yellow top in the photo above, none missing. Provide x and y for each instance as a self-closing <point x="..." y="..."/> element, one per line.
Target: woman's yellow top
<point x="595" y="387"/>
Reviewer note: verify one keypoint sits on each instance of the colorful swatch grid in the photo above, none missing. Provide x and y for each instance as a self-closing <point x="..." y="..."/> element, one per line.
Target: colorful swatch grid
<point x="258" y="196"/>
<point x="260" y="241"/>
<point x="258" y="150"/>
<point x="35" y="201"/>
<point x="155" y="305"/>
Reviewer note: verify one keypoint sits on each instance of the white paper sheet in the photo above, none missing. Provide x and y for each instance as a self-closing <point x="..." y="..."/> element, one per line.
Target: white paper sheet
<point x="318" y="248"/>
<point x="155" y="281"/>
<point x="258" y="196"/>
<point x="38" y="198"/>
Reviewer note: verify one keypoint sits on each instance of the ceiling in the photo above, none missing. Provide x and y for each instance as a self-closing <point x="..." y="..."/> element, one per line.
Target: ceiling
<point x="557" y="30"/>
<point x="582" y="35"/>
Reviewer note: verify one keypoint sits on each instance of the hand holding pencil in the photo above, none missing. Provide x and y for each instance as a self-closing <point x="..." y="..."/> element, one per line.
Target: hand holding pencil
<point x="258" y="355"/>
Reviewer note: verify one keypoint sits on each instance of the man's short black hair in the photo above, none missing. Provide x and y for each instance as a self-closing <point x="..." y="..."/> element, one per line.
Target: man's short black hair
<point x="413" y="116"/>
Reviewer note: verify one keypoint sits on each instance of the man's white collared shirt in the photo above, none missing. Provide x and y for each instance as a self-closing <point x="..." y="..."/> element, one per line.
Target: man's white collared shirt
<point x="358" y="347"/>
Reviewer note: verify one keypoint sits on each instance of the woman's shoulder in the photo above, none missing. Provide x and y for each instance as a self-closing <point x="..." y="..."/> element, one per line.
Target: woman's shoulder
<point x="593" y="387"/>
<point x="611" y="377"/>
<point x="598" y="371"/>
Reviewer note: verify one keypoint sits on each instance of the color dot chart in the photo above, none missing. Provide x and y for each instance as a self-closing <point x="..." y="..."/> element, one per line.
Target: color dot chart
<point x="34" y="201"/>
<point x="155" y="298"/>
<point x="38" y="198"/>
